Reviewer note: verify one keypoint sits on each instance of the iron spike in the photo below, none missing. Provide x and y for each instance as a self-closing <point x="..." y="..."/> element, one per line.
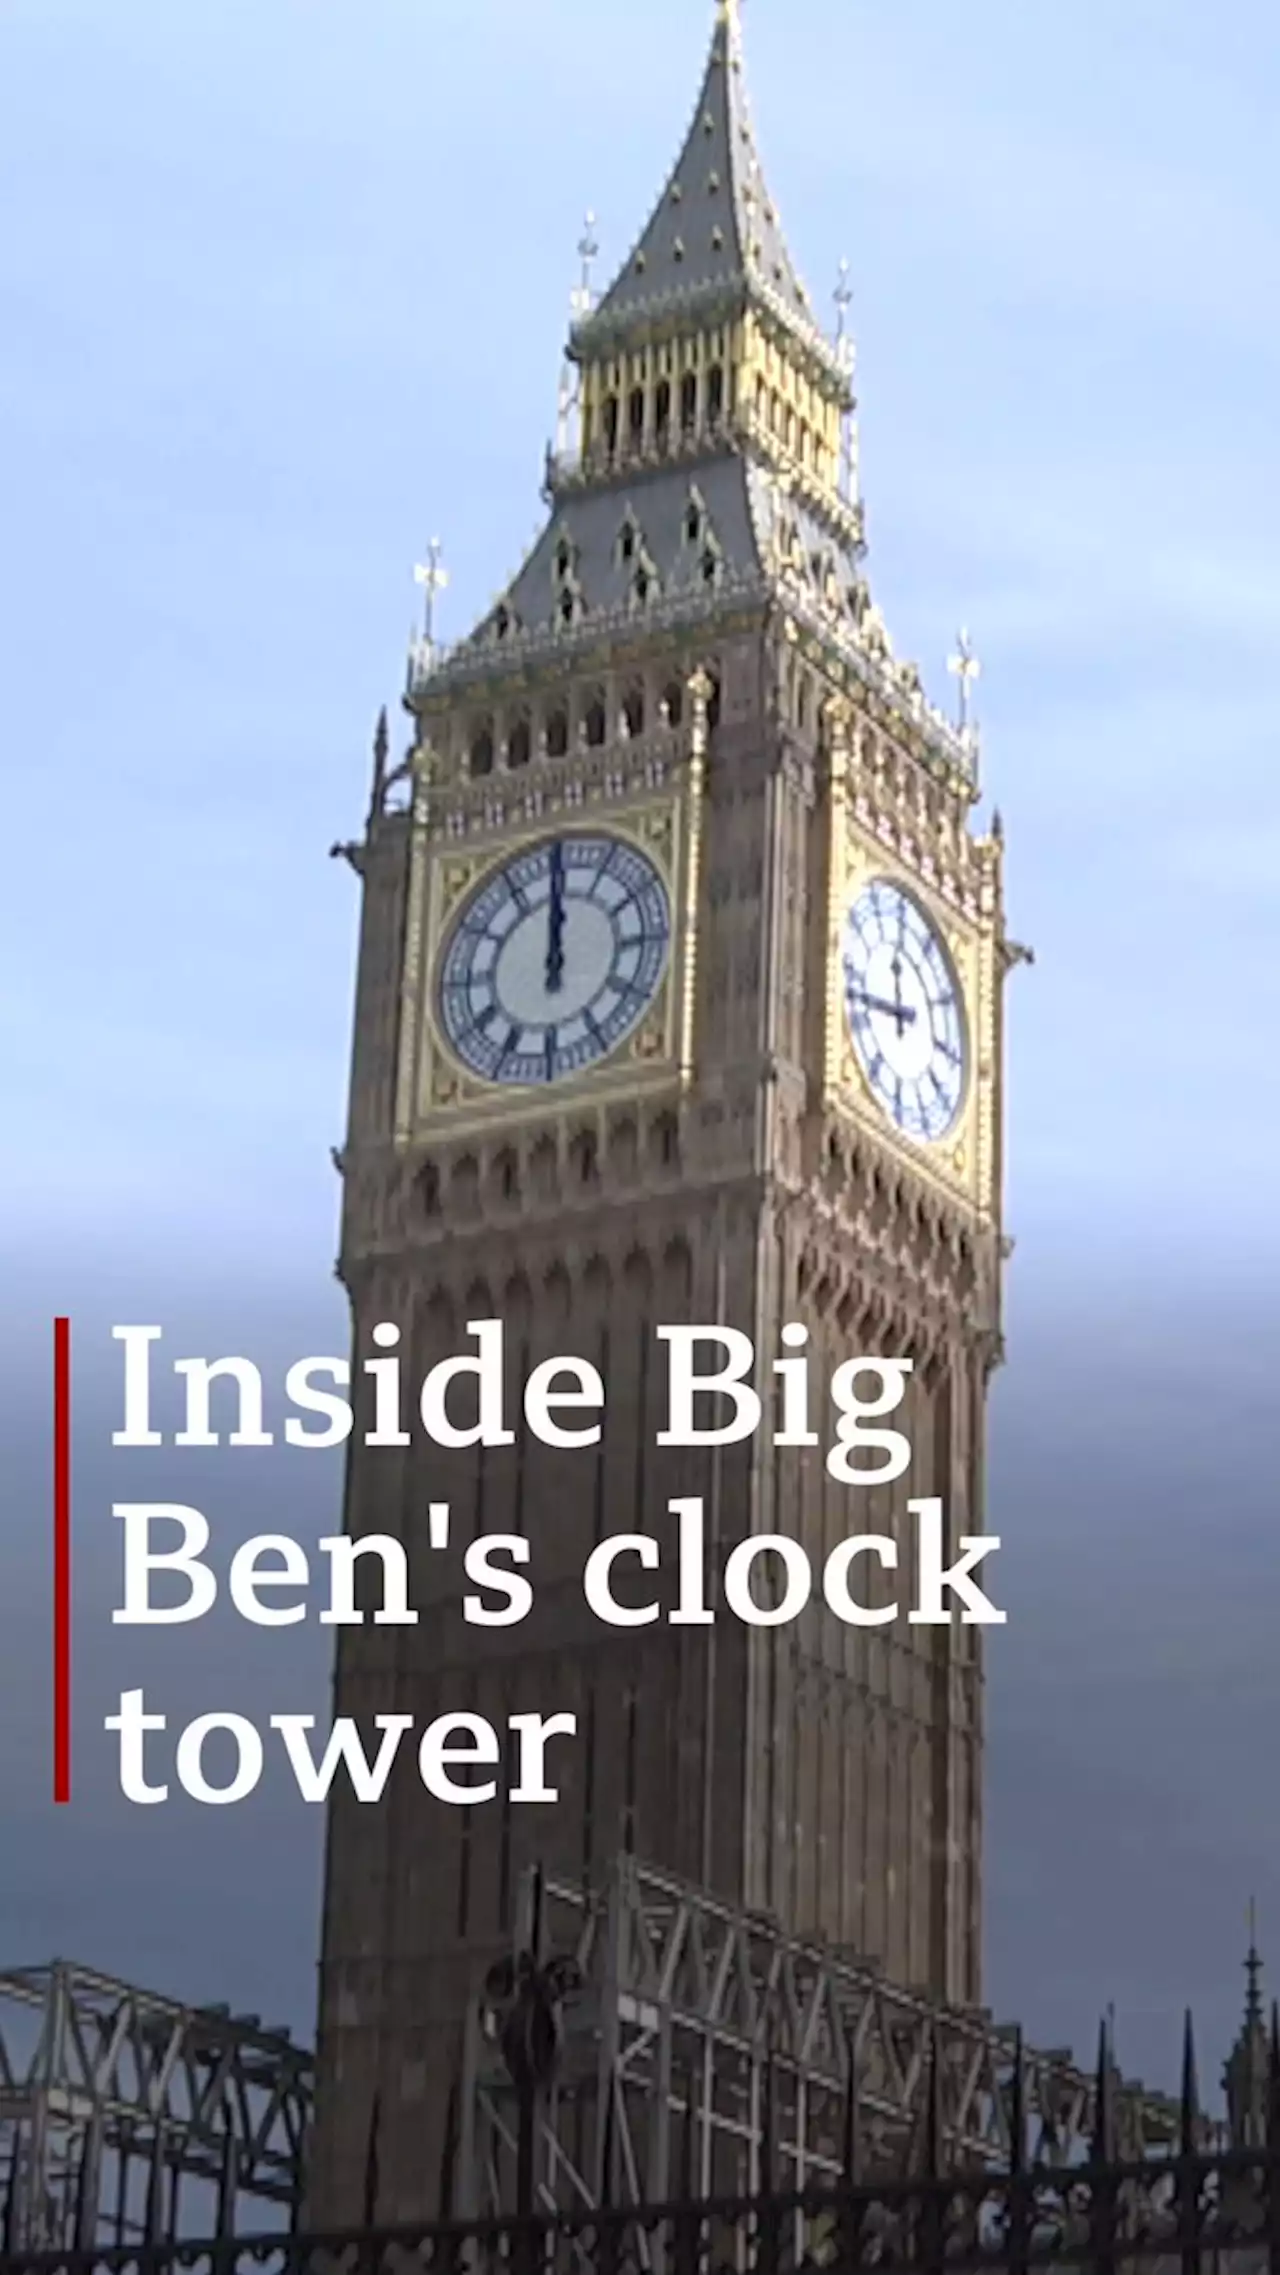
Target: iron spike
<point x="1190" y="2118"/>
<point x="851" y="2143"/>
<point x="764" y="2185"/>
<point x="1018" y="2106"/>
<point x="371" y="2172"/>
<point x="606" y="2151"/>
<point x="1103" y="2111"/>
<point x="933" y="2137"/>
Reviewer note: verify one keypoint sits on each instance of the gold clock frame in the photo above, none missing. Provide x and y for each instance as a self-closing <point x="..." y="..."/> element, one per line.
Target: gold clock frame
<point x="436" y="1091"/>
<point x="963" y="1161"/>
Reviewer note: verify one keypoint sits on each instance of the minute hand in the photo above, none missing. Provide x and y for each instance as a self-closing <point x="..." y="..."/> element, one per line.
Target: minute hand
<point x="554" y="974"/>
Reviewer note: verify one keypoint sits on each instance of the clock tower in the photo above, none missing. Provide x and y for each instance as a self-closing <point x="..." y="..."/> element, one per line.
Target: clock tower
<point x="679" y="1002"/>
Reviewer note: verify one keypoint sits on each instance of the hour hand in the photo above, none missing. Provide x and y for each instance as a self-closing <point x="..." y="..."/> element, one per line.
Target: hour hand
<point x="554" y="974"/>
<point x="902" y="1012"/>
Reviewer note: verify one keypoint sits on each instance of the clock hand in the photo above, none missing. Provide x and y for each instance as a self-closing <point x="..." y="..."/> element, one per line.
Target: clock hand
<point x="898" y="1010"/>
<point x="901" y="1012"/>
<point x="555" y="922"/>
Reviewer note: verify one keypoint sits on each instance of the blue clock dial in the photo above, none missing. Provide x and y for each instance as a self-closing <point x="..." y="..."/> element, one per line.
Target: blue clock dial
<point x="904" y="1011"/>
<point x="555" y="959"/>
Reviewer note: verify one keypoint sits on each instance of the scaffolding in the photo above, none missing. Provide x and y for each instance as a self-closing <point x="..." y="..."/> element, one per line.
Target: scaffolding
<point x="126" y="2118"/>
<point x="702" y="2052"/>
<point x="701" y="2045"/>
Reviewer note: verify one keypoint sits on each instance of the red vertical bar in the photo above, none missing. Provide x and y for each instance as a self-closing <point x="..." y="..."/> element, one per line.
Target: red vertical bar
<point x="62" y="1560"/>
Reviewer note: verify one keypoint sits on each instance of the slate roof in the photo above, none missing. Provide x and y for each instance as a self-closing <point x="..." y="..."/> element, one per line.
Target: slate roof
<point x="667" y="536"/>
<point x="715" y="229"/>
<point x="660" y="512"/>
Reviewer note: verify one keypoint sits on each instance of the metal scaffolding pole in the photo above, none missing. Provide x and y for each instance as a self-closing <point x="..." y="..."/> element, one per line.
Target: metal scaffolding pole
<point x="123" y="2114"/>
<point x="702" y="2045"/>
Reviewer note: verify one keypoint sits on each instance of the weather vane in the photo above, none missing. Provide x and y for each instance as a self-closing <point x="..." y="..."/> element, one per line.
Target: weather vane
<point x="433" y="579"/>
<point x="964" y="667"/>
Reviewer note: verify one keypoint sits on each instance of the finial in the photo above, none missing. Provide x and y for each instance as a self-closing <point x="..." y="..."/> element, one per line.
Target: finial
<point x="964" y="667"/>
<point x="588" y="248"/>
<point x="381" y="745"/>
<point x="433" y="579"/>
<point x="1245" y="2075"/>
<point x="727" y="13"/>
<point x="1253" y="1969"/>
<point x="843" y="298"/>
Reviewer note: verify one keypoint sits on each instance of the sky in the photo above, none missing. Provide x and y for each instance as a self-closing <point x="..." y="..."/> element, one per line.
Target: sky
<point x="284" y="291"/>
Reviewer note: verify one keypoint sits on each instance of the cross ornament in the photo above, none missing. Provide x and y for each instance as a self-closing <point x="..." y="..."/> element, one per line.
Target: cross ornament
<point x="964" y="667"/>
<point x="433" y="579"/>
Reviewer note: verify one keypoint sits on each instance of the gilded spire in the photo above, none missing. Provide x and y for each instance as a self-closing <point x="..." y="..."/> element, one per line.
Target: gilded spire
<point x="714" y="236"/>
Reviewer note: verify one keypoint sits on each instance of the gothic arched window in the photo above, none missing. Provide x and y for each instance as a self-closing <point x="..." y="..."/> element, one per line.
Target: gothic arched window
<point x="633" y="710"/>
<point x="689" y="402"/>
<point x="715" y="395"/>
<point x="594" y="725"/>
<point x="611" y="424"/>
<point x="519" y="743"/>
<point x="673" y="703"/>
<point x="556" y="735"/>
<point x="480" y="755"/>
<point x="662" y="410"/>
<point x="584" y="1157"/>
<point x="664" y="1141"/>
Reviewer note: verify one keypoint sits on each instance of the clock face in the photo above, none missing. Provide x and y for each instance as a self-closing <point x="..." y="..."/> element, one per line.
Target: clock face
<point x="554" y="959"/>
<point x="904" y="1010"/>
